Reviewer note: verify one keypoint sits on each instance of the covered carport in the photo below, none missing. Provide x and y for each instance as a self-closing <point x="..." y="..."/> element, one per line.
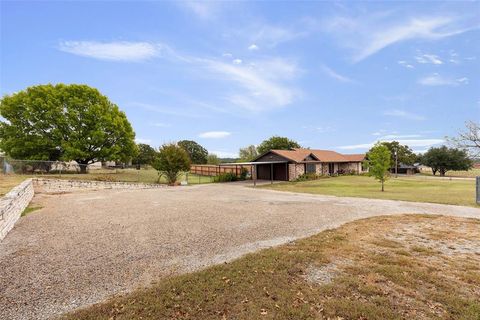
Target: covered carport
<point x="266" y="170"/>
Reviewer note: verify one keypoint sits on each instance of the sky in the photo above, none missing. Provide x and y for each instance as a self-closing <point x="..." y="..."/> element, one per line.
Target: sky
<point x="330" y="75"/>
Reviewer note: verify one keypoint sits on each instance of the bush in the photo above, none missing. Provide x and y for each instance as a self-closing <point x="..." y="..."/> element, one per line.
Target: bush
<point x="226" y="177"/>
<point x="243" y="174"/>
<point x="308" y="177"/>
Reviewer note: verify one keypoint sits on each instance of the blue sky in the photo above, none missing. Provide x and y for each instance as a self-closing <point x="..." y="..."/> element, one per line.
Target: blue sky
<point x="331" y="75"/>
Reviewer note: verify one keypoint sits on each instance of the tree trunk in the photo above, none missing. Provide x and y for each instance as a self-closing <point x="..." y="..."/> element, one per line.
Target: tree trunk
<point x="442" y="172"/>
<point x="383" y="189"/>
<point x="83" y="164"/>
<point x="434" y="171"/>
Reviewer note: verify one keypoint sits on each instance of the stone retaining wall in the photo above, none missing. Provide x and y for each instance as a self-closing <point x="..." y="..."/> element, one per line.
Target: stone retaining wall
<point x="59" y="185"/>
<point x="13" y="204"/>
<point x="16" y="201"/>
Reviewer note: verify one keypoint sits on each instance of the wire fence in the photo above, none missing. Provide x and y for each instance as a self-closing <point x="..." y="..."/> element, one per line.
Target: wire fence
<point x="99" y="171"/>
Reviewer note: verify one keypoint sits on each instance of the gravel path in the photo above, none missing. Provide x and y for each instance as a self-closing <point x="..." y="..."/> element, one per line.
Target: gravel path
<point x="83" y="247"/>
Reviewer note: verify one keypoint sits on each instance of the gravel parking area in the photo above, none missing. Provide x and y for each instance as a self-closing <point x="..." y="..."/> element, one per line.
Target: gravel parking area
<point x="83" y="247"/>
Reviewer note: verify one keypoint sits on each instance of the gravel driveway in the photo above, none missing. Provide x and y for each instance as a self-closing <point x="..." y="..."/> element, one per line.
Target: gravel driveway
<point x="83" y="247"/>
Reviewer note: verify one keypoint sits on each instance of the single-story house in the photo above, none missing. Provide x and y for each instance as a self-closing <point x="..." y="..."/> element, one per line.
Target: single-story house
<point x="288" y="165"/>
<point x="406" y="169"/>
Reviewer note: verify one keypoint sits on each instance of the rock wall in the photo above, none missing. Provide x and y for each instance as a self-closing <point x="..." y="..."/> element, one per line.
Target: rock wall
<point x="59" y="185"/>
<point x="13" y="204"/>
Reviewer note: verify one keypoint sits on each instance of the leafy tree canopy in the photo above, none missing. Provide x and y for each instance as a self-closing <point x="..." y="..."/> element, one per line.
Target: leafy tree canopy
<point x="443" y="159"/>
<point x="405" y="154"/>
<point x="213" y="159"/>
<point x="197" y="153"/>
<point x="248" y="153"/>
<point x="145" y="154"/>
<point x="378" y="163"/>
<point x="171" y="160"/>
<point x="278" y="143"/>
<point x="64" y="122"/>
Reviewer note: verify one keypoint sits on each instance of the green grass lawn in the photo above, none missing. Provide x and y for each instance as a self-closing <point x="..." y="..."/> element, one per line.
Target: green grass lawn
<point x="397" y="267"/>
<point x="7" y="182"/>
<point x="459" y="192"/>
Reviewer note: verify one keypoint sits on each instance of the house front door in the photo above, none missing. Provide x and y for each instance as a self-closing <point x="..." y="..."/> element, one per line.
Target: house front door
<point x="331" y="169"/>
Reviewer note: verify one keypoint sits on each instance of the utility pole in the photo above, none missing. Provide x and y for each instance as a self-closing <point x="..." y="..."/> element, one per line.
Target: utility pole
<point x="396" y="163"/>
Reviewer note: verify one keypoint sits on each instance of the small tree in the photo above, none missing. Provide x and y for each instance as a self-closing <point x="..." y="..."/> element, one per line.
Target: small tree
<point x="405" y="155"/>
<point x="469" y="139"/>
<point x="145" y="154"/>
<point x="444" y="159"/>
<point x="378" y="162"/>
<point x="212" y="159"/>
<point x="197" y="153"/>
<point x="248" y="153"/>
<point x="171" y="160"/>
<point x="277" y="143"/>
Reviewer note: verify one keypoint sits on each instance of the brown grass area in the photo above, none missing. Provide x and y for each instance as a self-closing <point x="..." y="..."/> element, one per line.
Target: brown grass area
<point x="395" y="267"/>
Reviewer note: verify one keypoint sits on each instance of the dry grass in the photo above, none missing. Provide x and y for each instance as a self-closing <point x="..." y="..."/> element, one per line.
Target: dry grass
<point x="396" y="267"/>
<point x="472" y="173"/>
<point x="458" y="192"/>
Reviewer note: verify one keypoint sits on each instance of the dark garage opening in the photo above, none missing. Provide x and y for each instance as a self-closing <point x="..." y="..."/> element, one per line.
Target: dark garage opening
<point x="280" y="171"/>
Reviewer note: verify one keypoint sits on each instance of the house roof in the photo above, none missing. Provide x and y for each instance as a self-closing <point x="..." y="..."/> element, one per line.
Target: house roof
<point x="300" y="155"/>
<point x="355" y="157"/>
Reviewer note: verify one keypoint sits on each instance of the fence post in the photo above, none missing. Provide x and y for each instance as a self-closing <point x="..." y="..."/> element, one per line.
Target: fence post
<point x="478" y="190"/>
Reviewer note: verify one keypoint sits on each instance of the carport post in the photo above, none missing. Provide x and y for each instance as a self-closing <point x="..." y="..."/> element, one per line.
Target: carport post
<point x="254" y="174"/>
<point x="271" y="173"/>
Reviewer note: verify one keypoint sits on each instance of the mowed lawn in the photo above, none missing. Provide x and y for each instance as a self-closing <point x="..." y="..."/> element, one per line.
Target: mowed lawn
<point x="419" y="189"/>
<point x="397" y="267"/>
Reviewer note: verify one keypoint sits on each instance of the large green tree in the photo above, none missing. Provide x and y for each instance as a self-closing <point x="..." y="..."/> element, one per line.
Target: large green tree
<point x="213" y="159"/>
<point x="64" y="122"/>
<point x="404" y="153"/>
<point x="277" y="143"/>
<point x="145" y="154"/>
<point x="443" y="159"/>
<point x="197" y="153"/>
<point x="248" y="153"/>
<point x="171" y="160"/>
<point x="378" y="162"/>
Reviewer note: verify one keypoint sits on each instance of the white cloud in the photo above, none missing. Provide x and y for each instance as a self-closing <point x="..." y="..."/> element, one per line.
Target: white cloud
<point x="237" y="61"/>
<point x="214" y="134"/>
<point x="403" y="114"/>
<point x="438" y="80"/>
<point x="412" y="143"/>
<point x="271" y="36"/>
<point x="140" y="140"/>
<point x="201" y="9"/>
<point x="253" y="47"/>
<point x="224" y="154"/>
<point x="161" y="125"/>
<point x="369" y="34"/>
<point x="428" y="58"/>
<point x="330" y="72"/>
<point x="262" y="84"/>
<point x="406" y="64"/>
<point x="227" y="55"/>
<point x="115" y="51"/>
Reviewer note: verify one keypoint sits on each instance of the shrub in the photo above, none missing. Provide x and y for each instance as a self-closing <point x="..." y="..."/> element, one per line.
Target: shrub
<point x="307" y="177"/>
<point x="226" y="177"/>
<point x="171" y="160"/>
<point x="243" y="174"/>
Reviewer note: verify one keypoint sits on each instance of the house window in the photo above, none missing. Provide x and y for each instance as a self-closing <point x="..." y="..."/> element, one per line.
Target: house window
<point x="311" y="168"/>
